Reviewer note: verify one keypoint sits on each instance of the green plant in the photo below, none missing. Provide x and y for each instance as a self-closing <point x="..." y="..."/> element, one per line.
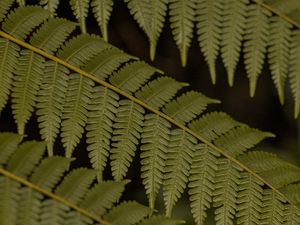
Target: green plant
<point x="82" y="83"/>
<point x="267" y="28"/>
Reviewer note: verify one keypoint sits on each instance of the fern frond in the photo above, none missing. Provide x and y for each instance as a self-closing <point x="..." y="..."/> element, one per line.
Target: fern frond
<point x="102" y="10"/>
<point x="99" y="126"/>
<point x="4" y="7"/>
<point x="182" y="14"/>
<point x="294" y="71"/>
<point x="158" y="92"/>
<point x="132" y="76"/>
<point x="278" y="53"/>
<point x="80" y="9"/>
<point x="238" y="140"/>
<point x="126" y="134"/>
<point x="225" y="193"/>
<point x="291" y="215"/>
<point x="272" y="209"/>
<point x="292" y="191"/>
<point x="189" y="105"/>
<point x="209" y="20"/>
<point x="212" y="125"/>
<point x="50" y="5"/>
<point x="155" y="139"/>
<point x="30" y="18"/>
<point x="8" y="143"/>
<point x="102" y="196"/>
<point x="75" y="185"/>
<point x="77" y="199"/>
<point x="255" y="46"/>
<point x="233" y="26"/>
<point x="249" y="200"/>
<point x="9" y="198"/>
<point x="179" y="155"/>
<point x="120" y="216"/>
<point x="75" y="111"/>
<point x="202" y="181"/>
<point x="150" y="15"/>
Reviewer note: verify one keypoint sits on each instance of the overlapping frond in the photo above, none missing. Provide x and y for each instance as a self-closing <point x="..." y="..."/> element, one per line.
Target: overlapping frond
<point x="34" y="191"/>
<point x="102" y="10"/>
<point x="264" y="27"/>
<point x="124" y="105"/>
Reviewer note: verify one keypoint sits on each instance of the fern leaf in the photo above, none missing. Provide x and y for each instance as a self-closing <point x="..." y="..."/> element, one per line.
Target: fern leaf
<point x="278" y="54"/>
<point x="162" y="220"/>
<point x="126" y="135"/>
<point x="80" y="10"/>
<point x="76" y="184"/>
<point x="76" y="218"/>
<point x="238" y="140"/>
<point x="52" y="34"/>
<point x="212" y="125"/>
<point x="255" y="46"/>
<point x="201" y="182"/>
<point x="24" y="159"/>
<point x="23" y="20"/>
<point x="249" y="199"/>
<point x="99" y="126"/>
<point x="50" y="171"/>
<point x="81" y="49"/>
<point x="53" y="213"/>
<point x="4" y="7"/>
<point x="225" y="194"/>
<point x="182" y="14"/>
<point x="21" y="2"/>
<point x="272" y="209"/>
<point x="160" y="91"/>
<point x="120" y="216"/>
<point x="150" y="15"/>
<point x="233" y="25"/>
<point x="260" y="161"/>
<point x="29" y="207"/>
<point x="292" y="191"/>
<point x="178" y="159"/>
<point x="155" y="138"/>
<point x="279" y="177"/>
<point x="27" y="80"/>
<point x="294" y="75"/>
<point x="20" y="28"/>
<point x="103" y="196"/>
<point x="78" y="99"/>
<point x="9" y="197"/>
<point x="291" y="215"/>
<point x="132" y="76"/>
<point x="102" y="10"/>
<point x="106" y="62"/>
<point x="8" y="144"/>
<point x="209" y="20"/>
<point x="8" y="58"/>
<point x="186" y="107"/>
<point x="50" y="5"/>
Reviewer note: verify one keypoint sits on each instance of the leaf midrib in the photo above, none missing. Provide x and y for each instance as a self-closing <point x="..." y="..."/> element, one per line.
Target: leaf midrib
<point x="51" y="195"/>
<point x="140" y="102"/>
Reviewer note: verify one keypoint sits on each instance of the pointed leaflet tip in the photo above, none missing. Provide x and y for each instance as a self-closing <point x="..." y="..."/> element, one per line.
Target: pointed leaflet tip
<point x="297" y="109"/>
<point x="183" y="57"/>
<point x="152" y="50"/>
<point x="252" y="88"/>
<point x="230" y="78"/>
<point x="212" y="71"/>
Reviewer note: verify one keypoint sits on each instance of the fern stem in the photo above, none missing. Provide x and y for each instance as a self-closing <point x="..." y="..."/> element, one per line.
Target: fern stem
<point x="277" y="12"/>
<point x="52" y="196"/>
<point x="141" y="103"/>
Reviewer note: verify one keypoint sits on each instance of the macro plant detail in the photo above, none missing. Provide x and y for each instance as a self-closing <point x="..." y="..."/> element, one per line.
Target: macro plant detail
<point x="80" y="85"/>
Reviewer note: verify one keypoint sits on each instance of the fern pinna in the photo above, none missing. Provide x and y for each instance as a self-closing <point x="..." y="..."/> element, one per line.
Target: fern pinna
<point x="259" y="28"/>
<point x="78" y="84"/>
<point x="34" y="191"/>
